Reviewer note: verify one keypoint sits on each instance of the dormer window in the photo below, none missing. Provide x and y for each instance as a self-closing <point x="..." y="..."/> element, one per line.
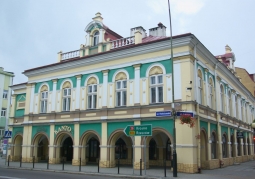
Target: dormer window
<point x="95" y="38"/>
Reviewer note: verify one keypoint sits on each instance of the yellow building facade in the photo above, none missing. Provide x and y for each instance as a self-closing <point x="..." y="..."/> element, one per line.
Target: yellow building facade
<point x="78" y="107"/>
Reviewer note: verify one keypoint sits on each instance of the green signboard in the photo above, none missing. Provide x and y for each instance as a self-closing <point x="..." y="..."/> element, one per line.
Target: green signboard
<point x="138" y="130"/>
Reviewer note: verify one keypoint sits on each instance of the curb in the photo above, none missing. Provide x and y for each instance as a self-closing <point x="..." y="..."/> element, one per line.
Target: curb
<point x="86" y="173"/>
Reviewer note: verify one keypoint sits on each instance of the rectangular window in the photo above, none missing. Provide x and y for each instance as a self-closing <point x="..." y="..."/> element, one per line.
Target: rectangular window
<point x="66" y="99"/>
<point x="200" y="90"/>
<point x="92" y="96"/>
<point x="121" y="93"/>
<point x="156" y="89"/>
<point x="3" y="112"/>
<point x="5" y="94"/>
<point x="44" y="99"/>
<point x="211" y="95"/>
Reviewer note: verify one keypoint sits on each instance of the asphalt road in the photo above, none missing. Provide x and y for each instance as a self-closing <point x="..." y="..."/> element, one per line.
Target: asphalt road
<point x="6" y="173"/>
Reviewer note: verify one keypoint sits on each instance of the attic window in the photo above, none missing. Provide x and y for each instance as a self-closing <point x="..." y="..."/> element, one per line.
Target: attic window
<point x="95" y="38"/>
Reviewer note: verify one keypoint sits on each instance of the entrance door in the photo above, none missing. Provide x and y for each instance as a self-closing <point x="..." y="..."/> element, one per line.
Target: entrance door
<point x="93" y="149"/>
<point x="67" y="149"/>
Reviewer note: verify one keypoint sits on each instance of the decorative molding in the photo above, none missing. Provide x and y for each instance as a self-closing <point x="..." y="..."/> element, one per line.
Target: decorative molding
<point x="121" y="76"/>
<point x="155" y="70"/>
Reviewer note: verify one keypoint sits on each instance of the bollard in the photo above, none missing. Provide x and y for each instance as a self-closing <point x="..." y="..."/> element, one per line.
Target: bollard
<point x="48" y="163"/>
<point x="98" y="166"/>
<point x="33" y="161"/>
<point x="80" y="165"/>
<point x="8" y="160"/>
<point x="165" y="166"/>
<point x="63" y="163"/>
<point x="20" y="162"/>
<point x="141" y="167"/>
<point x="118" y="165"/>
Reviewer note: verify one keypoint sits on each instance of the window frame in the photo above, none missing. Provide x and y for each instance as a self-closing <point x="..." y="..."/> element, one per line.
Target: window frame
<point x="92" y="104"/>
<point x="5" y="94"/>
<point x="222" y="98"/>
<point x="123" y="93"/>
<point x="44" y="101"/>
<point x="66" y="99"/>
<point x="96" y="38"/>
<point x="200" y="89"/>
<point x="159" y="90"/>
<point x="3" y="112"/>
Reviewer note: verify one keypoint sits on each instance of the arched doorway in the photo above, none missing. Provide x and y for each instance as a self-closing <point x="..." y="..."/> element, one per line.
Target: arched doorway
<point x="120" y="149"/>
<point x="41" y="149"/>
<point x="203" y="152"/>
<point x="67" y="149"/>
<point x="17" y="148"/>
<point x="94" y="151"/>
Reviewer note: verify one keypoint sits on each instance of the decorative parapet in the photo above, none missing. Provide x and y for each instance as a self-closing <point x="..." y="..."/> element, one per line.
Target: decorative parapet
<point x="122" y="42"/>
<point x="72" y="54"/>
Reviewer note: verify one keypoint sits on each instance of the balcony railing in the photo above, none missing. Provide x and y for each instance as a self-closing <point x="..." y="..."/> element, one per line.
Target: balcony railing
<point x="122" y="42"/>
<point x="72" y="54"/>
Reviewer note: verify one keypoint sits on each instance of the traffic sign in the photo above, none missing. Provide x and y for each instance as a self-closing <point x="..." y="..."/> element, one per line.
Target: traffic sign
<point x="7" y="134"/>
<point x="179" y="113"/>
<point x="163" y="113"/>
<point x="138" y="130"/>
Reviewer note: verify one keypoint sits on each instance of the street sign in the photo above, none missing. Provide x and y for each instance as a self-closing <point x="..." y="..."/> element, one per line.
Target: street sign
<point x="239" y="134"/>
<point x="179" y="113"/>
<point x="138" y="130"/>
<point x="163" y="113"/>
<point x="7" y="134"/>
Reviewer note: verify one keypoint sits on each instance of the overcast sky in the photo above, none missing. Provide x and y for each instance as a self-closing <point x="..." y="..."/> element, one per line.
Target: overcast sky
<point x="32" y="32"/>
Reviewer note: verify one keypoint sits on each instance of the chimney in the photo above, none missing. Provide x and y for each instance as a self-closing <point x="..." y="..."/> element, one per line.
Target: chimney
<point x="98" y="17"/>
<point x="140" y="29"/>
<point x="228" y="49"/>
<point x="158" y="31"/>
<point x="138" y="37"/>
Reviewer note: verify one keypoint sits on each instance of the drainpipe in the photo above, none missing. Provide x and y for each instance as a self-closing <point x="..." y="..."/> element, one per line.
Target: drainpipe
<point x="218" y="117"/>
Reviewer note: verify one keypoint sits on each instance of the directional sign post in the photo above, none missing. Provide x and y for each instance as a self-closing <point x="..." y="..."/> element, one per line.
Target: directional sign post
<point x="179" y="113"/>
<point x="138" y="130"/>
<point x="7" y="134"/>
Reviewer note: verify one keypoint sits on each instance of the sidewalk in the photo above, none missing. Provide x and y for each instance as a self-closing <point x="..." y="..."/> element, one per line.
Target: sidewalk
<point x="246" y="170"/>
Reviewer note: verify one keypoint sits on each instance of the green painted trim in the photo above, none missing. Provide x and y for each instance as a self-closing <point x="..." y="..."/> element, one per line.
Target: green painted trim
<point x="165" y="124"/>
<point x="203" y="70"/>
<point x="20" y="97"/>
<point x="204" y="125"/>
<point x="231" y="131"/>
<point x="59" y="128"/>
<point x="130" y="70"/>
<point x="37" y="85"/>
<point x="38" y="129"/>
<point x="19" y="112"/>
<point x="97" y="127"/>
<point x="213" y="127"/>
<point x="17" y="130"/>
<point x="224" y="130"/>
<point x="113" y="126"/>
<point x="73" y="79"/>
<point x="165" y="63"/>
<point x="104" y="48"/>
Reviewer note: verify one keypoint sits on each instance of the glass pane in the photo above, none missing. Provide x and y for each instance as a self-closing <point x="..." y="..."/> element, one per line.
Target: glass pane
<point x="69" y="104"/>
<point x="124" y="84"/>
<point x="160" y="94"/>
<point x="118" y="86"/>
<point x="160" y="79"/>
<point x="65" y="92"/>
<point x="95" y="88"/>
<point x="46" y="94"/>
<point x="94" y="101"/>
<point x="153" y="80"/>
<point x="41" y="106"/>
<point x="90" y="89"/>
<point x="64" y="104"/>
<point x="69" y="91"/>
<point x="45" y="107"/>
<point x="42" y="95"/>
<point x="90" y="102"/>
<point x="153" y="95"/>
<point x="118" y="98"/>
<point x="124" y="95"/>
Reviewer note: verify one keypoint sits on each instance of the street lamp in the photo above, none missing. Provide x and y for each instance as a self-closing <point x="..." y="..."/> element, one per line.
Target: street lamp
<point x="173" y="110"/>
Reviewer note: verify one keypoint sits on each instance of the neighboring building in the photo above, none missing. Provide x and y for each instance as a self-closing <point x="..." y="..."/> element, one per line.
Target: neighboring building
<point x="78" y="107"/>
<point x="248" y="80"/>
<point x="6" y="79"/>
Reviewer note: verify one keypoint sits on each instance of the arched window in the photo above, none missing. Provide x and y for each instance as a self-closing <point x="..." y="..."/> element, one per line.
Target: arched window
<point x="156" y="88"/>
<point x="120" y="149"/>
<point x="229" y="103"/>
<point x="236" y="104"/>
<point x="224" y="146"/>
<point x="168" y="150"/>
<point x="43" y="99"/>
<point x="211" y="92"/>
<point x="200" y="87"/>
<point x="95" y="38"/>
<point x="222" y="98"/>
<point x="92" y="93"/>
<point x="213" y="145"/>
<point x="152" y="150"/>
<point x="66" y="97"/>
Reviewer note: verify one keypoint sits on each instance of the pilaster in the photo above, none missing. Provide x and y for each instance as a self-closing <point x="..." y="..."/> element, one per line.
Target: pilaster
<point x="53" y="100"/>
<point x="105" y="88"/>
<point x="137" y="84"/>
<point x="78" y="92"/>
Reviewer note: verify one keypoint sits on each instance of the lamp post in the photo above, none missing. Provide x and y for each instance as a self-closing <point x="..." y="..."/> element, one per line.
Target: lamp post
<point x="173" y="110"/>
